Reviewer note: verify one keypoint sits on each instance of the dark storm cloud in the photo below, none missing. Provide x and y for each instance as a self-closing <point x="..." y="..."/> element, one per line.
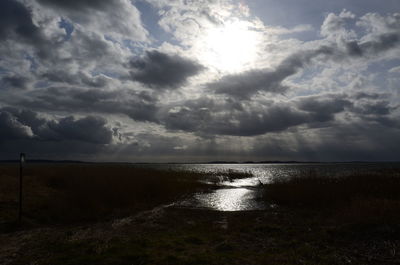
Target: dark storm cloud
<point x="244" y="85"/>
<point x="324" y="106"/>
<point x="16" y="23"/>
<point x="139" y="106"/>
<point x="370" y="96"/>
<point x="62" y="138"/>
<point x="207" y="116"/>
<point x="16" y="19"/>
<point x="90" y="129"/>
<point x="11" y="128"/>
<point x="28" y="118"/>
<point x="80" y="78"/>
<point x="379" y="108"/>
<point x="227" y="118"/>
<point x="15" y="81"/>
<point x="372" y="104"/>
<point x="21" y="124"/>
<point x="273" y="119"/>
<point x="161" y="70"/>
<point x="78" y="5"/>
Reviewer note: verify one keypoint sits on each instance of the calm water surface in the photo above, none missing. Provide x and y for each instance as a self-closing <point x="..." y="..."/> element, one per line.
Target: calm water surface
<point x="244" y="194"/>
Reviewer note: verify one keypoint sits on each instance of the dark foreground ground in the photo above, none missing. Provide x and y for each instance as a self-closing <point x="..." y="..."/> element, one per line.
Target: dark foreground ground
<point x="183" y="236"/>
<point x="359" y="229"/>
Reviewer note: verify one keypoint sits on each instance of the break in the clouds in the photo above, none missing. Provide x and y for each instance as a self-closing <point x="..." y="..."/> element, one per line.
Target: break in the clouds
<point x="146" y="80"/>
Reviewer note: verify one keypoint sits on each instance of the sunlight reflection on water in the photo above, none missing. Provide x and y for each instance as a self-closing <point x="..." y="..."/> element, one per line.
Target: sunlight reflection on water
<point x="225" y="199"/>
<point x="238" y="199"/>
<point x="246" y="182"/>
<point x="242" y="194"/>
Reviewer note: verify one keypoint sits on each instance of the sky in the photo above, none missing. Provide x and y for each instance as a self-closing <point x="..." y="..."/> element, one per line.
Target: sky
<point x="197" y="81"/>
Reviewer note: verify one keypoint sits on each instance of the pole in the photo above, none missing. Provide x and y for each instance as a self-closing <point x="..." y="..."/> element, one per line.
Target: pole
<point x="21" y="161"/>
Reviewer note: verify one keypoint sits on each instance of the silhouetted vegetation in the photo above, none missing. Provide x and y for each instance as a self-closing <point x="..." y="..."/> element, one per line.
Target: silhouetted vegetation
<point x="372" y="197"/>
<point x="313" y="219"/>
<point x="89" y="192"/>
<point x="80" y="192"/>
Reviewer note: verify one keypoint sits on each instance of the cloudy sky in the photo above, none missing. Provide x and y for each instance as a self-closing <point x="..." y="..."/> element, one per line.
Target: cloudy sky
<point x="186" y="80"/>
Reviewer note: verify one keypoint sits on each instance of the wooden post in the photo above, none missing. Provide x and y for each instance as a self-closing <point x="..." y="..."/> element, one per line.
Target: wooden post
<point x="21" y="164"/>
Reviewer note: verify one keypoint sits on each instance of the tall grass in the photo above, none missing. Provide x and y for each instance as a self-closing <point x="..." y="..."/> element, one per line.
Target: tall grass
<point x="83" y="192"/>
<point x="357" y="197"/>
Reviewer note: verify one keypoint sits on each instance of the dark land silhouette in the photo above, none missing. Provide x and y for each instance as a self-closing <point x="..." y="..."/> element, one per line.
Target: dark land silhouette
<point x="110" y="213"/>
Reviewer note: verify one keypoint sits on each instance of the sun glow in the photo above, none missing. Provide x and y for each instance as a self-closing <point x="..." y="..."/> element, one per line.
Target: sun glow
<point x="231" y="48"/>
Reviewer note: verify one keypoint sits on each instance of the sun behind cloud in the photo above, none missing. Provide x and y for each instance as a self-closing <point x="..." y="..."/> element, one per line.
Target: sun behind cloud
<point x="230" y="48"/>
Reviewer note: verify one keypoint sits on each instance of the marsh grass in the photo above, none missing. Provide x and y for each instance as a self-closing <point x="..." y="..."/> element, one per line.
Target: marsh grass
<point x="86" y="192"/>
<point x="372" y="197"/>
<point x="63" y="193"/>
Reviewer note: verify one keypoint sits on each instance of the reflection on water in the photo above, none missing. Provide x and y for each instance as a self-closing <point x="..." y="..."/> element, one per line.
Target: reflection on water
<point x="267" y="172"/>
<point x="246" y="182"/>
<point x="229" y="200"/>
<point x="232" y="199"/>
<point x="240" y="194"/>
